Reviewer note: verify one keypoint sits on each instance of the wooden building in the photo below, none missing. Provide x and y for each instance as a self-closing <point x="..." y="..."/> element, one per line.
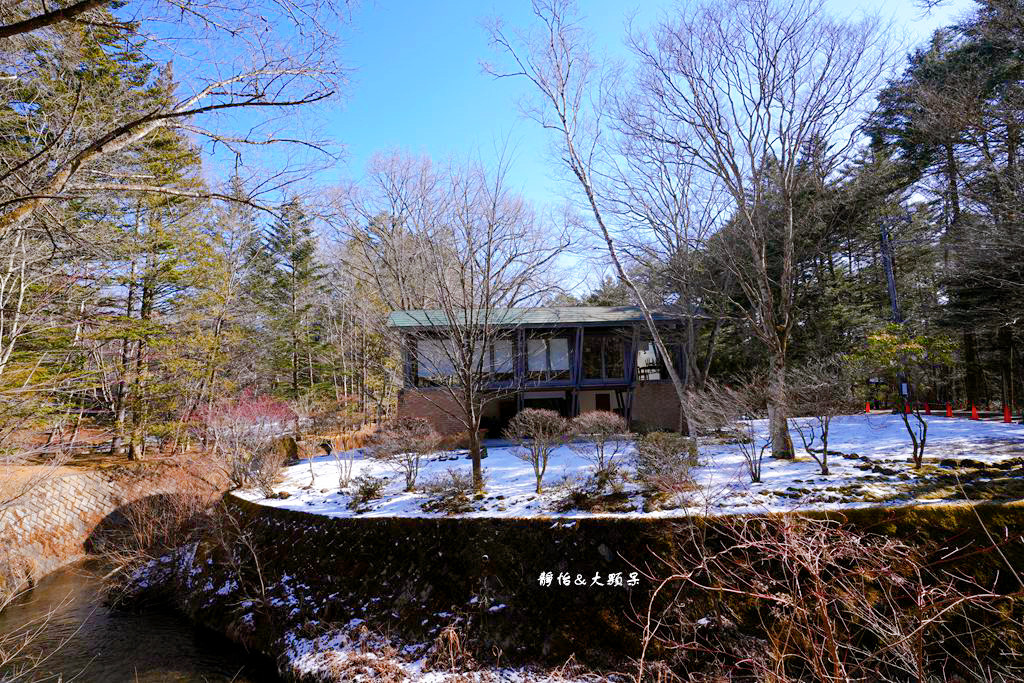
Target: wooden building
<point x="567" y="359"/>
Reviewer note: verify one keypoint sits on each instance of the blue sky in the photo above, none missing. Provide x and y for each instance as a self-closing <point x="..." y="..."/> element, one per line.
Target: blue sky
<point x="418" y="86"/>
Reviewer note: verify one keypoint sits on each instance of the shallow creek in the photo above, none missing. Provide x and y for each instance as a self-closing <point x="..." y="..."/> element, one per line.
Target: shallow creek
<point x="79" y="638"/>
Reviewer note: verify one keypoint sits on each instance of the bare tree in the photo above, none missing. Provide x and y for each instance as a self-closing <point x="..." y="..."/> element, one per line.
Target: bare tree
<point x="539" y="432"/>
<point x="402" y="443"/>
<point x="64" y="146"/>
<point x="667" y="214"/>
<point x="743" y="90"/>
<point x="466" y="253"/>
<point x="607" y="436"/>
<point x="733" y="410"/>
<point x="556" y="61"/>
<point x="242" y="433"/>
<point x="819" y="391"/>
<point x="386" y="220"/>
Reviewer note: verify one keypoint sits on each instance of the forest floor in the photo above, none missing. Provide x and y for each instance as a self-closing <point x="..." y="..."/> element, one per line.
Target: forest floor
<point x="869" y="465"/>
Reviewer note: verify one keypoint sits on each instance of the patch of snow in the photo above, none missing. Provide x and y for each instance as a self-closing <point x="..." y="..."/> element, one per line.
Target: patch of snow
<point x="723" y="486"/>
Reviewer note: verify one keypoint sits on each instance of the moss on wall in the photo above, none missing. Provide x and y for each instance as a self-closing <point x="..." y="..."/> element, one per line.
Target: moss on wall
<point x="411" y="577"/>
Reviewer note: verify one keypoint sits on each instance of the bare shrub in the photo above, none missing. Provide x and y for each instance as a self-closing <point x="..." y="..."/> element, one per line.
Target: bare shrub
<point x="402" y="443"/>
<point x="451" y="492"/>
<point x="815" y="599"/>
<point x="539" y="432"/>
<point x="606" y="430"/>
<point x="366" y="488"/>
<point x="345" y="461"/>
<point x="819" y="391"/>
<point x="448" y="652"/>
<point x="159" y="525"/>
<point x="242" y="432"/>
<point x="733" y="409"/>
<point x="591" y="494"/>
<point x="664" y="460"/>
<point x="368" y="666"/>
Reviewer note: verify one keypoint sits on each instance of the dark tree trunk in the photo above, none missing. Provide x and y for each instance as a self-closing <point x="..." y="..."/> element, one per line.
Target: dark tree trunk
<point x="972" y="379"/>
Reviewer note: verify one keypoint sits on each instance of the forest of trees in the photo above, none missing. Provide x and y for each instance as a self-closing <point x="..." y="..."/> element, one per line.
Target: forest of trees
<point x="138" y="291"/>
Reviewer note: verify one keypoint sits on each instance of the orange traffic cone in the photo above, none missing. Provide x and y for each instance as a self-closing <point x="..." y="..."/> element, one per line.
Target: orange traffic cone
<point x="1007" y="417"/>
<point x="927" y="408"/>
<point x="974" y="412"/>
<point x="906" y="408"/>
<point x="949" y="409"/>
<point x="867" y="407"/>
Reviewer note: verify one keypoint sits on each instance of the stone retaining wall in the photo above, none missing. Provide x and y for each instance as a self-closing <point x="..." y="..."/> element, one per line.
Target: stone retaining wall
<point x="48" y="527"/>
<point x="277" y="580"/>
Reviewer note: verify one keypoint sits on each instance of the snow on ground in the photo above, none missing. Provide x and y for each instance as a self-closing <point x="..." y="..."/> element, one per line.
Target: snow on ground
<point x="876" y="470"/>
<point x="352" y="653"/>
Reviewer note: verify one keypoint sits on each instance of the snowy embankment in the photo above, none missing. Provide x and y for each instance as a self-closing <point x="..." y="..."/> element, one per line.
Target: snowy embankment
<point x="875" y="469"/>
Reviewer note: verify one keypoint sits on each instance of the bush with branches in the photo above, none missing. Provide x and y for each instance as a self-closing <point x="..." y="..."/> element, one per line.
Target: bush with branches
<point x="402" y="443"/>
<point x="819" y="391"/>
<point x="664" y="459"/>
<point x="733" y="409"/>
<point x="242" y="433"/>
<point x="817" y="601"/>
<point x="366" y="488"/>
<point x="450" y="492"/>
<point x="539" y="432"/>
<point x="606" y="431"/>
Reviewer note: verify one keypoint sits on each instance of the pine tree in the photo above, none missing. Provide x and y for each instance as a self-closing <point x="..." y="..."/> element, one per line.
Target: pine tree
<point x="291" y="296"/>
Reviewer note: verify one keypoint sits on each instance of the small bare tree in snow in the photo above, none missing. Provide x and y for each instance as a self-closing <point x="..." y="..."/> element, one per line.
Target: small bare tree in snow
<point x="732" y="409"/>
<point x="345" y="461"/>
<point x="402" y="443"/>
<point x="605" y="433"/>
<point x="539" y="432"/>
<point x="819" y="391"/>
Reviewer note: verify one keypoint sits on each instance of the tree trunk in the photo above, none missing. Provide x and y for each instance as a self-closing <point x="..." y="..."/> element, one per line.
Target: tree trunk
<point x="474" y="454"/>
<point x="778" y="410"/>
<point x="1006" y="346"/>
<point x="971" y="378"/>
<point x="121" y="393"/>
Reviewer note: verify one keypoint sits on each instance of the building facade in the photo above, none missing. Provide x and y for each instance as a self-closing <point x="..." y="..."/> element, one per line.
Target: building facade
<point x="568" y="359"/>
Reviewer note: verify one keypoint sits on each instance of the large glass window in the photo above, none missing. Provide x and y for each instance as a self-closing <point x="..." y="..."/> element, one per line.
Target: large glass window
<point x="434" y="361"/>
<point x="593" y="361"/>
<point x="603" y="357"/>
<point x="547" y="359"/>
<point x="649" y="365"/>
<point x="503" y="359"/>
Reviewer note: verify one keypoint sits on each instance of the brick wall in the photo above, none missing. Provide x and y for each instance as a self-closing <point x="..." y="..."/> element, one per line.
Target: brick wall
<point x="433" y="405"/>
<point x="48" y="527"/>
<point x="656" y="405"/>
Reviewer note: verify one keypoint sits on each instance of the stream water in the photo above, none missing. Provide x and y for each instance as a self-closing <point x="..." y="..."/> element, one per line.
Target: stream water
<point x="84" y="640"/>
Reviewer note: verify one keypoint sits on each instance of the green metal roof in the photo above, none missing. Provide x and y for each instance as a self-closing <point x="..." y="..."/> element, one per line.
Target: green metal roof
<point x="548" y="316"/>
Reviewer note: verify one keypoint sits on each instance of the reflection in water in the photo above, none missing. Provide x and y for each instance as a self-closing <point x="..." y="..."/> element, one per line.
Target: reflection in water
<point x="93" y="643"/>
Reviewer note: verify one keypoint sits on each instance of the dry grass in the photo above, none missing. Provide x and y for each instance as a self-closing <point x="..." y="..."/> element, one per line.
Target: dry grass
<point x="342" y="440"/>
<point x="370" y="666"/>
<point x="448" y="653"/>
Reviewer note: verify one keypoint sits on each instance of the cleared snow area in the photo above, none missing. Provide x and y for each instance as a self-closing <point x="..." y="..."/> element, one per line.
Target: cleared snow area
<point x="874" y="470"/>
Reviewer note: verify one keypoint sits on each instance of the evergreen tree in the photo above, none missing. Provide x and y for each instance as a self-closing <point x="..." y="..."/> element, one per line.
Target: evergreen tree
<point x="292" y="288"/>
